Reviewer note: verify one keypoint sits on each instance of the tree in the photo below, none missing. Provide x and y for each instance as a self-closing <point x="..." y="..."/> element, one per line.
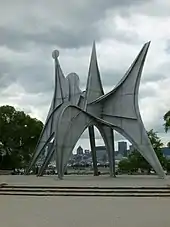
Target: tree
<point x="167" y="124"/>
<point x="168" y="144"/>
<point x="126" y="165"/>
<point x="168" y="166"/>
<point x="157" y="145"/>
<point x="19" y="134"/>
<point x="167" y="121"/>
<point x="137" y="161"/>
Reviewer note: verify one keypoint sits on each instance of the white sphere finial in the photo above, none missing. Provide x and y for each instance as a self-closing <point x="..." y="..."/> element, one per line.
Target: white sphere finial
<point x="55" y="54"/>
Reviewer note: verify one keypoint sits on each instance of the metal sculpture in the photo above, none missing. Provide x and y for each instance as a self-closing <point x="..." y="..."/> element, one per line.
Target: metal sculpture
<point x="72" y="111"/>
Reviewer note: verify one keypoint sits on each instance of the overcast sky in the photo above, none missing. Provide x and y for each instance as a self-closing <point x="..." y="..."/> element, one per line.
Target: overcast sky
<point x="31" y="30"/>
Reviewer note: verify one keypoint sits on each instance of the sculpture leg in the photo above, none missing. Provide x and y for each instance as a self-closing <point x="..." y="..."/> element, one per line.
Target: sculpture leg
<point x="108" y="138"/>
<point x="38" y="153"/>
<point x="93" y="149"/>
<point x="71" y="124"/>
<point x="134" y="131"/>
<point x="46" y="161"/>
<point x="112" y="153"/>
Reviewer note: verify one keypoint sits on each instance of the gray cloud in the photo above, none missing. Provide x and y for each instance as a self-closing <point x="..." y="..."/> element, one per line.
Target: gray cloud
<point x="61" y="37"/>
<point x="34" y="78"/>
<point x="167" y="49"/>
<point x="70" y="25"/>
<point x="31" y="27"/>
<point x="85" y="135"/>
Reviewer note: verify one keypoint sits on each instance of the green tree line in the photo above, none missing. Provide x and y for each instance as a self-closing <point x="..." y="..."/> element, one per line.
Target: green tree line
<point x="19" y="134"/>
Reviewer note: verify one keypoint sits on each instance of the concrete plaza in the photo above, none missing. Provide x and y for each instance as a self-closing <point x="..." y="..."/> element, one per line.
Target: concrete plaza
<point x="19" y="211"/>
<point x="86" y="180"/>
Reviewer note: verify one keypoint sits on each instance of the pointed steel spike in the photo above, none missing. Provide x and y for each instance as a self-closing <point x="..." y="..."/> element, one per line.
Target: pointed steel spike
<point x="61" y="86"/>
<point x="94" y="88"/>
<point x="133" y="77"/>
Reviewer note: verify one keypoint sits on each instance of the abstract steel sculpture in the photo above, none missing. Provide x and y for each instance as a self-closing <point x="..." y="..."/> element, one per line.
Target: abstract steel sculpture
<point x="72" y="111"/>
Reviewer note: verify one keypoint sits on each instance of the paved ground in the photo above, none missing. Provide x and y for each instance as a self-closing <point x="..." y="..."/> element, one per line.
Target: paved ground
<point x="72" y="180"/>
<point x="82" y="212"/>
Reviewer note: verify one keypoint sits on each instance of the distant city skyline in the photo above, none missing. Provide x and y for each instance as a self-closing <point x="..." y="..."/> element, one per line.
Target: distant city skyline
<point x="85" y="144"/>
<point x="123" y="149"/>
<point x="99" y="144"/>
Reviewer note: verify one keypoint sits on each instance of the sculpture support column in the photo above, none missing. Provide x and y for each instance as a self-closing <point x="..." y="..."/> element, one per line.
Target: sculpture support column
<point x="107" y="134"/>
<point x="93" y="149"/>
<point x="112" y="153"/>
<point x="46" y="161"/>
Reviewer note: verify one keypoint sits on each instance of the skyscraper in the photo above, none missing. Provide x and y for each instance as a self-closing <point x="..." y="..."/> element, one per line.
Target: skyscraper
<point x="122" y="148"/>
<point x="79" y="150"/>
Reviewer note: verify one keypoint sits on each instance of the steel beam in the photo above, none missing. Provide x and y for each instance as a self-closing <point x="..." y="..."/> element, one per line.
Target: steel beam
<point x="93" y="149"/>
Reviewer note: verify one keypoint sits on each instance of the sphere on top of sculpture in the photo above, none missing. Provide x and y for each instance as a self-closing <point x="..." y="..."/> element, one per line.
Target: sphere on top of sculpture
<point x="55" y="54"/>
